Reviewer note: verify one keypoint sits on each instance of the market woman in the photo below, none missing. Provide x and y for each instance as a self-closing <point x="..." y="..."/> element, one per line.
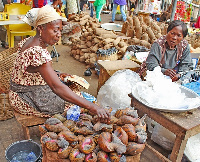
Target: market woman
<point x="35" y="87"/>
<point x="171" y="52"/>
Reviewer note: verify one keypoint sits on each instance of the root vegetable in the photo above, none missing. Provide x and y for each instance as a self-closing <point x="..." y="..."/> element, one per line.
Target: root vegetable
<point x="130" y="32"/>
<point x="89" y="44"/>
<point x="130" y="20"/>
<point x="136" y="21"/>
<point x="111" y="35"/>
<point x="94" y="48"/>
<point x="122" y="44"/>
<point x="145" y="37"/>
<point x="138" y="32"/>
<point x="116" y="41"/>
<point x="124" y="27"/>
<point x="77" y="57"/>
<point x="108" y="40"/>
<point x="145" y="43"/>
<point x="151" y="34"/>
<point x="86" y="50"/>
<point x="82" y="59"/>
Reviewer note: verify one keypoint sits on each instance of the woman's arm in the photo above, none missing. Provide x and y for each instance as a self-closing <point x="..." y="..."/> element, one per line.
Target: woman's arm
<point x="154" y="57"/>
<point x="186" y="60"/>
<point x="50" y="76"/>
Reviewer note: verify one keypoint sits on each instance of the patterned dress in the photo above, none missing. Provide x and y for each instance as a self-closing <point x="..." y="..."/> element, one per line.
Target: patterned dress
<point x="30" y="94"/>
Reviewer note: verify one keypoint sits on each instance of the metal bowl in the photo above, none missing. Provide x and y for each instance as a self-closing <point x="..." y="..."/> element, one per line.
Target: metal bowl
<point x="188" y="93"/>
<point x="112" y="26"/>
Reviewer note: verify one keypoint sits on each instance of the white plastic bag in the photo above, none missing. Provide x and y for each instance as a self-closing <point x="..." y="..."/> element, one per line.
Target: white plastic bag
<point x="114" y="92"/>
<point x="192" y="149"/>
<point x="163" y="137"/>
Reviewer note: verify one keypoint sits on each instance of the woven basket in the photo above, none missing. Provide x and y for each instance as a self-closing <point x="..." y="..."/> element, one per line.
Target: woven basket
<point x="5" y="108"/>
<point x="112" y="57"/>
<point x="7" y="58"/>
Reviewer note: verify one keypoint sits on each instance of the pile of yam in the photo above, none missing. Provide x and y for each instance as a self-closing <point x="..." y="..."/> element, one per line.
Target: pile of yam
<point x="194" y="41"/>
<point x="143" y="30"/>
<point x="92" y="38"/>
<point x="135" y="31"/>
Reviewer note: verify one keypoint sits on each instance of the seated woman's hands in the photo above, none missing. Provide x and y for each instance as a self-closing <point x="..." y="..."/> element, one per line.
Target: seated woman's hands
<point x="172" y="74"/>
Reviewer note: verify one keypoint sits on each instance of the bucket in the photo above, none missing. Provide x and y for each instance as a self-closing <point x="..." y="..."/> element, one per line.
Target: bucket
<point x="27" y="146"/>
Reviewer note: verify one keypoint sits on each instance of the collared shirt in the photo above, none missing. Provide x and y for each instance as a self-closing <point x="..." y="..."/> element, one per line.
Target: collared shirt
<point x="170" y="57"/>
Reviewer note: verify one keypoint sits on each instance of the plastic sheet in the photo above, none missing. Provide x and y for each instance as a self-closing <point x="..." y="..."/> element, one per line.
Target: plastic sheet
<point x="114" y="92"/>
<point x="192" y="149"/>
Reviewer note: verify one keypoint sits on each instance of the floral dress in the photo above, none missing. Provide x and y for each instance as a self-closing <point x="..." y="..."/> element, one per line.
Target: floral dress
<point x="29" y="93"/>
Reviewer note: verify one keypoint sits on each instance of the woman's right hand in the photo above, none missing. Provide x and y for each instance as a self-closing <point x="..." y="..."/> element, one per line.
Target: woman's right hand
<point x="103" y="114"/>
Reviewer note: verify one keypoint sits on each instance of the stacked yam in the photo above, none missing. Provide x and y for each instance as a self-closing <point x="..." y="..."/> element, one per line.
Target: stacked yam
<point x="93" y="37"/>
<point x="121" y="139"/>
<point x="143" y="30"/>
<point x="194" y="41"/>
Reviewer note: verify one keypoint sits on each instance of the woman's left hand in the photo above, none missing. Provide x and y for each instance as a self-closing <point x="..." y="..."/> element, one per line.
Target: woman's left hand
<point x="170" y="72"/>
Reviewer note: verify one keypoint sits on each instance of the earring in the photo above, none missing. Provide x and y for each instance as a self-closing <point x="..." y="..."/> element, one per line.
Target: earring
<point x="42" y="43"/>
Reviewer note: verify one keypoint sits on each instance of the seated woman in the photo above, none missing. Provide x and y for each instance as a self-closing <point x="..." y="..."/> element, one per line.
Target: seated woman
<point x="35" y="87"/>
<point x="171" y="52"/>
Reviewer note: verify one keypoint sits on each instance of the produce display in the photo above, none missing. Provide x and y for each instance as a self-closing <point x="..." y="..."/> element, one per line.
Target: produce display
<point x="193" y="39"/>
<point x="93" y="37"/>
<point x="89" y="140"/>
<point x="136" y="30"/>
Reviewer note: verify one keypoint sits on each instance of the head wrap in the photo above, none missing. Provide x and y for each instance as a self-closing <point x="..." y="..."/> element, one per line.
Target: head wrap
<point x="39" y="16"/>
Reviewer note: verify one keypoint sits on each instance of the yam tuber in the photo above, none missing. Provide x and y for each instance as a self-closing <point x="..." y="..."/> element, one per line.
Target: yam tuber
<point x="136" y="21"/>
<point x="130" y="20"/>
<point x="130" y="32"/>
<point x="145" y="37"/>
<point x="122" y="44"/>
<point x="108" y="40"/>
<point x="116" y="41"/>
<point x="124" y="27"/>
<point x="145" y="44"/>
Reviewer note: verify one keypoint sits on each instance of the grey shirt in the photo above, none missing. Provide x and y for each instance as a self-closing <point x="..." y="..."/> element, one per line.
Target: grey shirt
<point x="154" y="58"/>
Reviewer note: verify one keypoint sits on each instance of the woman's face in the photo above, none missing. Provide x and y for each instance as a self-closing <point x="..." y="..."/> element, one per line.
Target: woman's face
<point x="174" y="36"/>
<point x="51" y="32"/>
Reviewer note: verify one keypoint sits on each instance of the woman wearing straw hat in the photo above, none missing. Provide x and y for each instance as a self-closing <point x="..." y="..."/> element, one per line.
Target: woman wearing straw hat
<point x="35" y="87"/>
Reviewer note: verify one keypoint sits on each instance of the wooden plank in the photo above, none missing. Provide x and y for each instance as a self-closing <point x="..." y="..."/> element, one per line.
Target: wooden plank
<point x="157" y="154"/>
<point x="26" y="120"/>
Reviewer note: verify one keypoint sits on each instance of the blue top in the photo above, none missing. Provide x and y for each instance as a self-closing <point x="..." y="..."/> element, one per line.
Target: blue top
<point x="120" y="2"/>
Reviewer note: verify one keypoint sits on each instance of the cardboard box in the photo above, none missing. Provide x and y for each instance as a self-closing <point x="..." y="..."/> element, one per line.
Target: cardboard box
<point x="108" y="68"/>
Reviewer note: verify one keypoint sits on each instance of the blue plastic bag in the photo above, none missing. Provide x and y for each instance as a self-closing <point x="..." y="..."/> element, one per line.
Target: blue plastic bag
<point x="73" y="113"/>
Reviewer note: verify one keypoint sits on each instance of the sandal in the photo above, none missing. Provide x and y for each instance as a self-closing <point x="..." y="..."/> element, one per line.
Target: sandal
<point x="5" y="45"/>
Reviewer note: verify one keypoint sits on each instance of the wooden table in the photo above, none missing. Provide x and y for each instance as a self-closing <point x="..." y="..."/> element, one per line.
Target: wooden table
<point x="183" y="125"/>
<point x="12" y="20"/>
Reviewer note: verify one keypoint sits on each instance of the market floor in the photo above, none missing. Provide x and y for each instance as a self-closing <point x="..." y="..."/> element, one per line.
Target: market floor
<point x="11" y="131"/>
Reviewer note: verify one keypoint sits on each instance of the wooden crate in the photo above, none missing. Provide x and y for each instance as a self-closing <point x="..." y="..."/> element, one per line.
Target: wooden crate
<point x="108" y="68"/>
